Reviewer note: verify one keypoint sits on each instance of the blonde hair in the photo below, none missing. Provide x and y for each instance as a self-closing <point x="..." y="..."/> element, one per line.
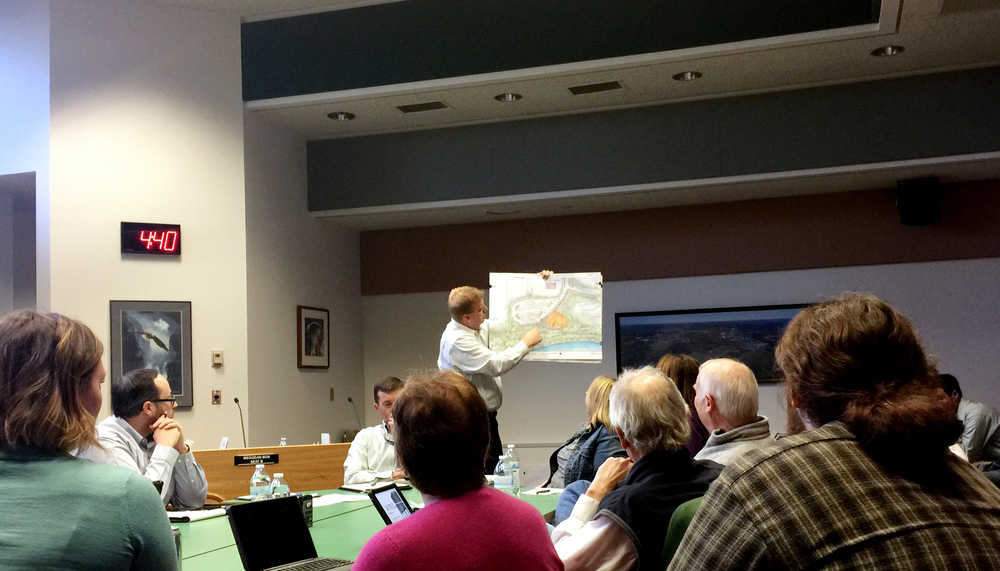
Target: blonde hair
<point x="598" y="400"/>
<point x="46" y="363"/>
<point x="463" y="300"/>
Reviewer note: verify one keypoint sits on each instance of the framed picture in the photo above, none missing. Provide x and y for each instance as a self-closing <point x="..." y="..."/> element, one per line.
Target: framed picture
<point x="747" y="334"/>
<point x="154" y="335"/>
<point x="312" y="325"/>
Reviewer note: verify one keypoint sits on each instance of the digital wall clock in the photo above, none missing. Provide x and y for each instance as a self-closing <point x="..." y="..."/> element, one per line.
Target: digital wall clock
<point x="150" y="238"/>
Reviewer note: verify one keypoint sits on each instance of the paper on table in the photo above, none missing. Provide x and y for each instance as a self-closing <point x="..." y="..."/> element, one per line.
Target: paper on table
<point x="195" y="515"/>
<point x="543" y="491"/>
<point x="330" y="499"/>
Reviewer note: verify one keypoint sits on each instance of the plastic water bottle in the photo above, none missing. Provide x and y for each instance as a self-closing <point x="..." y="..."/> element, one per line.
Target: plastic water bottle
<point x="502" y="476"/>
<point x="279" y="486"/>
<point x="515" y="470"/>
<point x="283" y="441"/>
<point x="259" y="484"/>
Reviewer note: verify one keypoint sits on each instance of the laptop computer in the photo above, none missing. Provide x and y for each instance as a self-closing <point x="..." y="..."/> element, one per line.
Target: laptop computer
<point x="272" y="534"/>
<point x="390" y="503"/>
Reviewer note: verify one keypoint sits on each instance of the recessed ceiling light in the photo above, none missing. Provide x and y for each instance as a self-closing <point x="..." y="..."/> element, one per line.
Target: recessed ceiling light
<point x="340" y="116"/>
<point x="503" y="211"/>
<point x="687" y="75"/>
<point x="886" y="51"/>
<point x="509" y="97"/>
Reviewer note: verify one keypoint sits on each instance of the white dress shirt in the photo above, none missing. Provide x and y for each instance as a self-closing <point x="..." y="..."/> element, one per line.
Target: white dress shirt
<point x="184" y="483"/>
<point x="465" y="350"/>
<point x="371" y="457"/>
<point x="599" y="544"/>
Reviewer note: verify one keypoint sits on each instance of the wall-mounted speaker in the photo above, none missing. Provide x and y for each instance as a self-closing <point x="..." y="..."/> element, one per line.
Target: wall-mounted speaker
<point x="918" y="200"/>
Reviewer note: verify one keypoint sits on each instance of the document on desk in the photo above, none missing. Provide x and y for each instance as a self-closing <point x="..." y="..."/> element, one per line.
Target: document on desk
<point x="330" y="499"/>
<point x="194" y="515"/>
<point x="566" y="309"/>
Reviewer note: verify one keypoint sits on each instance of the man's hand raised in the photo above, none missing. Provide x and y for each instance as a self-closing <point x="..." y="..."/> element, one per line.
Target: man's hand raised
<point x="532" y="338"/>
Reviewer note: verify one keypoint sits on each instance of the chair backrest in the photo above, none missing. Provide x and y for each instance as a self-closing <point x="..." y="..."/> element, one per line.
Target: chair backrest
<point x="676" y="528"/>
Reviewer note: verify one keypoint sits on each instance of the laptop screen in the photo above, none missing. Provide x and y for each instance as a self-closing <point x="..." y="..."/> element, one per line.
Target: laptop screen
<point x="271" y="532"/>
<point x="392" y="503"/>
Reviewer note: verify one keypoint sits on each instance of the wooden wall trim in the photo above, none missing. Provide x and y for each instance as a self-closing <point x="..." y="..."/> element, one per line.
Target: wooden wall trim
<point x="826" y="230"/>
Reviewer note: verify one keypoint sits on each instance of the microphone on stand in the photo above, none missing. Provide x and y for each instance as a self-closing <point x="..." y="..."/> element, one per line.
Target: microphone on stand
<point x="242" y="426"/>
<point x="350" y="434"/>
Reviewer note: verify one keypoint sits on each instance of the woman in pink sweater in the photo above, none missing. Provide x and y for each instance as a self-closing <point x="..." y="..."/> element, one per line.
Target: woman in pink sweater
<point x="442" y="435"/>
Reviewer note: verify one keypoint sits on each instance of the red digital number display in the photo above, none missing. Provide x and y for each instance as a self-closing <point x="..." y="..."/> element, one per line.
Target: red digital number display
<point x="165" y="241"/>
<point x="149" y="238"/>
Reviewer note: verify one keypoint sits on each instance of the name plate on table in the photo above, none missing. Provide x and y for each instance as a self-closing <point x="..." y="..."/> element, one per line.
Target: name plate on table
<point x="253" y="459"/>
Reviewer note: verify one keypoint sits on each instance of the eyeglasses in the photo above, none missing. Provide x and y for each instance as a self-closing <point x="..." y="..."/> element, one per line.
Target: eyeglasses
<point x="172" y="401"/>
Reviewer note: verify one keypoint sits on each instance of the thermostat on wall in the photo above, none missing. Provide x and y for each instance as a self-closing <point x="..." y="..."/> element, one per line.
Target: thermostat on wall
<point x="151" y="238"/>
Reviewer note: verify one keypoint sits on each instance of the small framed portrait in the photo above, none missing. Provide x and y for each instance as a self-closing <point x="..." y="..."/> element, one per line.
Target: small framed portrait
<point x="154" y="335"/>
<point x="312" y="325"/>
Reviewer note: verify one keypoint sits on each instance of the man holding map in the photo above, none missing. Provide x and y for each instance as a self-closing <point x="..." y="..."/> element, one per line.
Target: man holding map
<point x="464" y="349"/>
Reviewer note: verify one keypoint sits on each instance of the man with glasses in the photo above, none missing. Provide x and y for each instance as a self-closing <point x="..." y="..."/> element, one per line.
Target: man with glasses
<point x="143" y="436"/>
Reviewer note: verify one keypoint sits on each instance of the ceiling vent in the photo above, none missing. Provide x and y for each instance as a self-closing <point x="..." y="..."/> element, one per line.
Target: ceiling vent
<point x="595" y="87"/>
<point x="418" y="107"/>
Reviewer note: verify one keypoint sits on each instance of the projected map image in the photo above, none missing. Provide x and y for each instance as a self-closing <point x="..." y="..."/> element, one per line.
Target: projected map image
<point x="566" y="308"/>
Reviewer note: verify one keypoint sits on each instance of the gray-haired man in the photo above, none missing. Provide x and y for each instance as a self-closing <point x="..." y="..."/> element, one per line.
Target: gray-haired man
<point x="619" y="526"/>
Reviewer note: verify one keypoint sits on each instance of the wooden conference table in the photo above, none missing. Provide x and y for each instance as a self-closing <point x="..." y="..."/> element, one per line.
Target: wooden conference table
<point x="339" y="530"/>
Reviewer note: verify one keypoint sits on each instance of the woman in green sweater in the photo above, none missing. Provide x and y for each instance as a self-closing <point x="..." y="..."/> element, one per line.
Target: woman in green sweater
<point x="60" y="512"/>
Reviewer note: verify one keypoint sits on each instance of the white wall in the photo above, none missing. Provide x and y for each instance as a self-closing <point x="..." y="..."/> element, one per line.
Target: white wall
<point x="954" y="304"/>
<point x="146" y="125"/>
<point x="24" y="112"/>
<point x="293" y="259"/>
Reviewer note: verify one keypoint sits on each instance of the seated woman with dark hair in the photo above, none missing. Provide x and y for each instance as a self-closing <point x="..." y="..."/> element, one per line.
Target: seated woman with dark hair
<point x="583" y="453"/>
<point x="57" y="511"/>
<point x="870" y="484"/>
<point x="683" y="371"/>
<point x="442" y="436"/>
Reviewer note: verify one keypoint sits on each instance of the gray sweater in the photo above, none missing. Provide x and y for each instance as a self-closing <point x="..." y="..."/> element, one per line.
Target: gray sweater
<point x="723" y="447"/>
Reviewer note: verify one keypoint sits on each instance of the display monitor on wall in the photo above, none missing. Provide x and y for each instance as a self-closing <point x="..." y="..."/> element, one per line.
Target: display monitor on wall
<point x="747" y="334"/>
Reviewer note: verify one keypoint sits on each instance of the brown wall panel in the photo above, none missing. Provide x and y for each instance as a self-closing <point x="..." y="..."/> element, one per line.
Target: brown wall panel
<point x="827" y="230"/>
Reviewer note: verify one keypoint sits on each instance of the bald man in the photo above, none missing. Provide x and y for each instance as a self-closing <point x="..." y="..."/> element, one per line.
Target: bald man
<point x="726" y="401"/>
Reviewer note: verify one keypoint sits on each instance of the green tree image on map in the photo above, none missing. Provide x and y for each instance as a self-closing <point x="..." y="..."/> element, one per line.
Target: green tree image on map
<point x="566" y="309"/>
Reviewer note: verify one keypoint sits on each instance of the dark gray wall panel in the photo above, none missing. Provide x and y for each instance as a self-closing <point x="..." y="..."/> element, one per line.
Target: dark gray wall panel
<point x="917" y="117"/>
<point x="418" y="40"/>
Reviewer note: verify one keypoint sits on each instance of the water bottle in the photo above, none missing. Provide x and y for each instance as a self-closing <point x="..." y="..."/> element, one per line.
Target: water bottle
<point x="283" y="441"/>
<point x="279" y="486"/>
<point x="259" y="483"/>
<point x="502" y="477"/>
<point x="515" y="470"/>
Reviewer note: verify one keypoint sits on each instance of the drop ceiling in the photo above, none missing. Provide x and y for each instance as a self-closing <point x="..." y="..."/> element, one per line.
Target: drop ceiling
<point x="938" y="35"/>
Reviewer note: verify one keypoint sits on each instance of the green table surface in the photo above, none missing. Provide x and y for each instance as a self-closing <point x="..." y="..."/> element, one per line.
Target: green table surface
<point x="338" y="530"/>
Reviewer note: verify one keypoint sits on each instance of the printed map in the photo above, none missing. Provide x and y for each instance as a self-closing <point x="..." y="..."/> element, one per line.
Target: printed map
<point x="566" y="308"/>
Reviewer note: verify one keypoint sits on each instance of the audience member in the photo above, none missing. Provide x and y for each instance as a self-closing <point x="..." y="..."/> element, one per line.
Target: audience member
<point x="144" y="437"/>
<point x="372" y="455"/>
<point x="624" y="526"/>
<point x="870" y="484"/>
<point x="726" y="401"/>
<point x="683" y="370"/>
<point x="579" y="457"/>
<point x="464" y="349"/>
<point x="981" y="423"/>
<point x="58" y="511"/>
<point x="980" y="442"/>
<point x="442" y="436"/>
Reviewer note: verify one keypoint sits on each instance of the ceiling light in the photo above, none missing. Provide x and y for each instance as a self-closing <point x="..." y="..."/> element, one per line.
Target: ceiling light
<point x="509" y="97"/>
<point x="886" y="51"/>
<point x="340" y="116"/>
<point x="687" y="75"/>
